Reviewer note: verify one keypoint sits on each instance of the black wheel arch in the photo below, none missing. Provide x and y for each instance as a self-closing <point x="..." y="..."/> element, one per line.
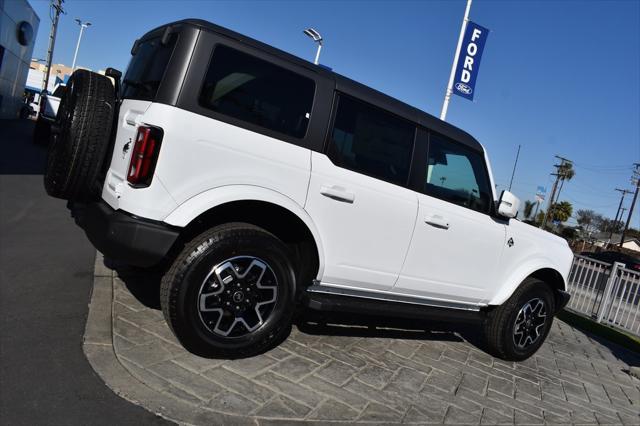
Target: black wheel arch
<point x="273" y="218"/>
<point x="555" y="281"/>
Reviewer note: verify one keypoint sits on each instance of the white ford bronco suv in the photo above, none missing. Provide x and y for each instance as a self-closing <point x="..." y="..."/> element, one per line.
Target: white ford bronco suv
<point x="257" y="181"/>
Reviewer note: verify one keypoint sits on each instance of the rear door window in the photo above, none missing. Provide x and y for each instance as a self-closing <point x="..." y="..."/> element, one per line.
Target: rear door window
<point x="371" y="141"/>
<point x="254" y="91"/>
<point x="146" y="69"/>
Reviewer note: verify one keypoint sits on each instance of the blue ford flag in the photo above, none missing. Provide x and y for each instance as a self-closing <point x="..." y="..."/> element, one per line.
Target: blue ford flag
<point x="468" y="65"/>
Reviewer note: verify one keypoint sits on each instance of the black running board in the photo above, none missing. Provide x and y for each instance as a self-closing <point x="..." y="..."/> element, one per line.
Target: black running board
<point x="330" y="301"/>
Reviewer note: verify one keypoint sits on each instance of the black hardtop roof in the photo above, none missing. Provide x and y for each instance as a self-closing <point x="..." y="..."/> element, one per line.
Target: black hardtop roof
<point x="343" y="83"/>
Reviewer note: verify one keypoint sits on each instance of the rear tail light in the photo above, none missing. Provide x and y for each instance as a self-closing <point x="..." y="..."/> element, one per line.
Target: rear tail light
<point x="144" y="156"/>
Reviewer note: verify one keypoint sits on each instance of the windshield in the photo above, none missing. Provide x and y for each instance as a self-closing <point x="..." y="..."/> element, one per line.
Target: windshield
<point x="147" y="68"/>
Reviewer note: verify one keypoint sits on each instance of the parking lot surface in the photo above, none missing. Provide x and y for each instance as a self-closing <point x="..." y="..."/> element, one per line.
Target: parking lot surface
<point x="358" y="370"/>
<point x="46" y="277"/>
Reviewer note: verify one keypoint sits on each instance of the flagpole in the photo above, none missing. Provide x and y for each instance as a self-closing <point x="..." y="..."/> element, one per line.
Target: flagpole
<point x="447" y="96"/>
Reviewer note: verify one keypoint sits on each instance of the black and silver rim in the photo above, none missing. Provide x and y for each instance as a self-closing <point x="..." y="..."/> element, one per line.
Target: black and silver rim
<point x="530" y="323"/>
<point x="237" y="296"/>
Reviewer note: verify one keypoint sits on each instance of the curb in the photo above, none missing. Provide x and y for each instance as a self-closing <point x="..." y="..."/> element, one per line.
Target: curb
<point x="98" y="348"/>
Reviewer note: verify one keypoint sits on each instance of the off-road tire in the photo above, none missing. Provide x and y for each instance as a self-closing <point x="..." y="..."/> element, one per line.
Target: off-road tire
<point x="180" y="286"/>
<point x="80" y="137"/>
<point x="500" y="322"/>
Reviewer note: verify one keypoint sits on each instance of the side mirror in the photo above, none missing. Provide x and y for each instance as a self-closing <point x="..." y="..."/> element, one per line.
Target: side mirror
<point x="509" y="205"/>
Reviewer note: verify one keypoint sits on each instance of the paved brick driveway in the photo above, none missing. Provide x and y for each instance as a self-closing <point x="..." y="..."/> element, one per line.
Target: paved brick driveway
<point x="361" y="374"/>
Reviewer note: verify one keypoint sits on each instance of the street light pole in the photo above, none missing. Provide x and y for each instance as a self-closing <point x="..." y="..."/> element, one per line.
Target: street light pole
<point x="75" y="55"/>
<point x="316" y="37"/>
<point x="449" y="92"/>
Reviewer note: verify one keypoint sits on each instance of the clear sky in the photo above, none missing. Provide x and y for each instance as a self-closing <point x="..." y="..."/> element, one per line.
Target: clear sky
<point x="557" y="77"/>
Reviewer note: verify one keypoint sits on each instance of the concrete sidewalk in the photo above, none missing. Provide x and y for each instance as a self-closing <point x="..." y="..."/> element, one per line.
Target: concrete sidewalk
<point x="353" y="373"/>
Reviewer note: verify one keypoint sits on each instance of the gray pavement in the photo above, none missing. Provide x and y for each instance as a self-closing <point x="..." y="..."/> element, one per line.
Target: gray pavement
<point x="46" y="277"/>
<point x="355" y="370"/>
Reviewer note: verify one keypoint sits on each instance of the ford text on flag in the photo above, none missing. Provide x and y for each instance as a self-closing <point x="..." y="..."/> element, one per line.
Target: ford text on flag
<point x="468" y="65"/>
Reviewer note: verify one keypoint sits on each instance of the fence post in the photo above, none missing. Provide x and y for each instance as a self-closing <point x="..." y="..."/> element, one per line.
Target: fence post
<point x="608" y="297"/>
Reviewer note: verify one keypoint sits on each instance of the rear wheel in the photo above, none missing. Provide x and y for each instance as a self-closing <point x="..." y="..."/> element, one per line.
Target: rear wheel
<point x="230" y="293"/>
<point x="516" y="329"/>
<point x="80" y="137"/>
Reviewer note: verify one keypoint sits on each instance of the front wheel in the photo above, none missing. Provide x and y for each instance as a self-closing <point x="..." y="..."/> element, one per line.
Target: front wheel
<point x="516" y="329"/>
<point x="230" y="292"/>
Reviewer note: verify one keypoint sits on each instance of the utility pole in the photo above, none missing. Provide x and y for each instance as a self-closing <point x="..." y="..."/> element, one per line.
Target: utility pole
<point x="624" y="192"/>
<point x="559" y="175"/>
<point x="514" y="168"/>
<point x="449" y="92"/>
<point x="56" y="5"/>
<point x="562" y="172"/>
<point x="636" y="180"/>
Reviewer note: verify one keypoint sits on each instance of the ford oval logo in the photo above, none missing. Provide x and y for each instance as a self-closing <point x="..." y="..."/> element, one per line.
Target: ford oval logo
<point x="461" y="87"/>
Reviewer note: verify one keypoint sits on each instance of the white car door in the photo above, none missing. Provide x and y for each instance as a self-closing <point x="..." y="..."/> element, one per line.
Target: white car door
<point x="358" y="200"/>
<point x="457" y="244"/>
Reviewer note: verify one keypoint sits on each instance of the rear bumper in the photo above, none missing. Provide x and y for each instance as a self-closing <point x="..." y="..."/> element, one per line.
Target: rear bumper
<point x="123" y="237"/>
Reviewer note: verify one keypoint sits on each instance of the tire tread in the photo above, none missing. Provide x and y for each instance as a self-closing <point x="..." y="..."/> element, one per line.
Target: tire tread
<point x="172" y="281"/>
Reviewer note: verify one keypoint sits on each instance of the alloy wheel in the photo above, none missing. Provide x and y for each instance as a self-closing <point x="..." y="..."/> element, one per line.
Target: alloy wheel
<point x="530" y="322"/>
<point x="237" y="296"/>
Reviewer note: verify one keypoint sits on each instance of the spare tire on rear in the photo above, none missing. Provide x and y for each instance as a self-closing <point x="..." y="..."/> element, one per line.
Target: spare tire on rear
<point x="80" y="137"/>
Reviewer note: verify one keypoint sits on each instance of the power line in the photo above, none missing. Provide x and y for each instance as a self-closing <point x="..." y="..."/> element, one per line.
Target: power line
<point x="590" y="205"/>
<point x="600" y="166"/>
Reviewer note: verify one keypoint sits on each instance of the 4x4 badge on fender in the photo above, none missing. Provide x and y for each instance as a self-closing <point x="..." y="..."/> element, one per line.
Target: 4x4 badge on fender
<point x="510" y="242"/>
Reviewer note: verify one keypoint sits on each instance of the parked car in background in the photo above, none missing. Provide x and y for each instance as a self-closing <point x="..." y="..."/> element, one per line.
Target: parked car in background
<point x="631" y="262"/>
<point x="257" y="181"/>
<point x="47" y="104"/>
<point x="46" y="107"/>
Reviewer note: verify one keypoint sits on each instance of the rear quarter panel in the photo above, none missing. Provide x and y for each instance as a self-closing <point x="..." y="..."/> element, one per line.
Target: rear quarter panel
<point x="200" y="153"/>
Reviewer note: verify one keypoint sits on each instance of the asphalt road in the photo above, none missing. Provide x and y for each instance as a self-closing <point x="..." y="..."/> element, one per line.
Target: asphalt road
<point x="46" y="271"/>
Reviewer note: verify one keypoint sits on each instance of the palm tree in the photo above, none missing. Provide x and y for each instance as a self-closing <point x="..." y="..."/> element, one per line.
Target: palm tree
<point x="561" y="211"/>
<point x="566" y="172"/>
<point x="528" y="208"/>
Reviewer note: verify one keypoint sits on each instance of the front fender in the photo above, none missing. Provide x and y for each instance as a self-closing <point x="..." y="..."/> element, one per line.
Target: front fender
<point x="516" y="277"/>
<point x="207" y="200"/>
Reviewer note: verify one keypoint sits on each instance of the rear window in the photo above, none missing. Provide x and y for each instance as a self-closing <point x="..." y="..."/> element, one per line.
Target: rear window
<point x="146" y="69"/>
<point x="258" y="92"/>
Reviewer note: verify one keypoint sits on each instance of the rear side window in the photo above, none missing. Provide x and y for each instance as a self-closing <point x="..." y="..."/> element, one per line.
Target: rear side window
<point x="258" y="92"/>
<point x="457" y="174"/>
<point x="369" y="140"/>
<point x="146" y="69"/>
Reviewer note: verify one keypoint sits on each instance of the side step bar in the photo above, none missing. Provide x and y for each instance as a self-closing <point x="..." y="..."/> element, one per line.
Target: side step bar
<point x="331" y="299"/>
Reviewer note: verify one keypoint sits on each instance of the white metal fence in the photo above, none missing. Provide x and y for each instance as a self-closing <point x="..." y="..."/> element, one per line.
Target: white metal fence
<point x="607" y="293"/>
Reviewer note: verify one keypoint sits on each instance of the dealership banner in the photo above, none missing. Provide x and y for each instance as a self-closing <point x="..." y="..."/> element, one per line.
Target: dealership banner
<point x="464" y="83"/>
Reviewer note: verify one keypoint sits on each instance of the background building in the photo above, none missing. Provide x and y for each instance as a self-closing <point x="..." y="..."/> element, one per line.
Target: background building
<point x="18" y="29"/>
<point x="59" y="74"/>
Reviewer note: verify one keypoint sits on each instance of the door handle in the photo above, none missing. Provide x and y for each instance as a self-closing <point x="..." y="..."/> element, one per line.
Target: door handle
<point x="437" y="221"/>
<point x="338" y="193"/>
